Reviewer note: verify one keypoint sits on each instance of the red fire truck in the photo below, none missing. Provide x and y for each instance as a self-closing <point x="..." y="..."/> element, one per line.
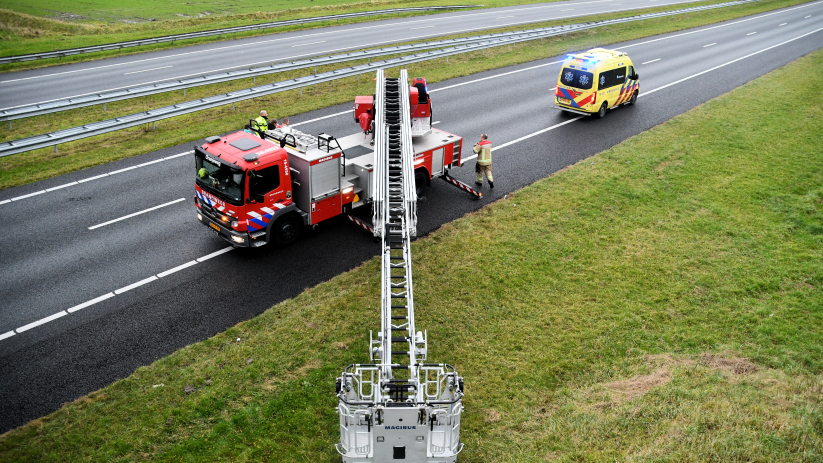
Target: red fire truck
<point x="256" y="188"/>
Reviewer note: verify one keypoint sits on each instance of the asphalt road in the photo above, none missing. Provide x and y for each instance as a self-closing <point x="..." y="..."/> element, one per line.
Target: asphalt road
<point x="57" y="255"/>
<point x="41" y="85"/>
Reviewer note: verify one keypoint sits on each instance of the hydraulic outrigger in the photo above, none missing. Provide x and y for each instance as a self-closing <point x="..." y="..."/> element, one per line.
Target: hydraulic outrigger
<point x="394" y="409"/>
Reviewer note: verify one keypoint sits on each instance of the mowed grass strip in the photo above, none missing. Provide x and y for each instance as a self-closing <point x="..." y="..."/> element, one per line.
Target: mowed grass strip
<point x="44" y="163"/>
<point x="660" y="301"/>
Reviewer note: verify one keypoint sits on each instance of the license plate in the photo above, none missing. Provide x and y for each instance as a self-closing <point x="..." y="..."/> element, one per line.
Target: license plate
<point x="214" y="226"/>
<point x="565" y="101"/>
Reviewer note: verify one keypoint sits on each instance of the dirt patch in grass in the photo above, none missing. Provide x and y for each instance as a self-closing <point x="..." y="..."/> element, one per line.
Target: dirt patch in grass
<point x="628" y="389"/>
<point x="736" y="365"/>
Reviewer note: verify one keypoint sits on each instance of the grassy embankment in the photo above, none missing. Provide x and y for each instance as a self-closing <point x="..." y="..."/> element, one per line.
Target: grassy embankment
<point x="44" y="163"/>
<point x="660" y="301"/>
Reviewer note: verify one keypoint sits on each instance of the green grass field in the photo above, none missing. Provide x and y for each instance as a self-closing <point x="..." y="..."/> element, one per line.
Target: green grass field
<point x="44" y="163"/>
<point x="661" y="301"/>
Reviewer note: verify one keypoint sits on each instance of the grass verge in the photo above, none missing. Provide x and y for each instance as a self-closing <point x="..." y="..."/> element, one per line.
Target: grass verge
<point x="660" y="301"/>
<point x="45" y="163"/>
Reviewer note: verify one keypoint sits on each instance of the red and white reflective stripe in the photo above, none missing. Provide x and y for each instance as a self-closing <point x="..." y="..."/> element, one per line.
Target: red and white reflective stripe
<point x="255" y="215"/>
<point x="267" y="210"/>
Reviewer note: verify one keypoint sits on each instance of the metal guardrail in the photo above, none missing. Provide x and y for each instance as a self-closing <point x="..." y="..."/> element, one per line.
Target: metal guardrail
<point x="229" y="30"/>
<point x="23" y="111"/>
<point x="39" y="109"/>
<point x="111" y="125"/>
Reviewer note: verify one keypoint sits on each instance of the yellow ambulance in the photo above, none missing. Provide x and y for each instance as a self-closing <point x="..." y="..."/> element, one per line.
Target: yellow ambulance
<point x="590" y="83"/>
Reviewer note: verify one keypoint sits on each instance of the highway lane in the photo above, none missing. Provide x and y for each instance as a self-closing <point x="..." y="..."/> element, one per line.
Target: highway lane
<point x="52" y="261"/>
<point x="41" y="85"/>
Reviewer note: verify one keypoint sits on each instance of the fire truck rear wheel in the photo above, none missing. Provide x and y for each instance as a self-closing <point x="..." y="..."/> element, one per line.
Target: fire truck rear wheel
<point x="419" y="181"/>
<point x="602" y="111"/>
<point x="286" y="230"/>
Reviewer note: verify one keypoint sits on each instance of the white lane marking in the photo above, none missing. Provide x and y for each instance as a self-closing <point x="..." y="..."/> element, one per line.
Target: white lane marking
<point x="151" y="162"/>
<point x="751" y="33"/>
<point x="504" y="17"/>
<point x="135" y="285"/>
<point x="310" y="43"/>
<point x="572" y="9"/>
<point x="308" y="35"/>
<point x="97" y="177"/>
<point x="28" y="195"/>
<point x="60" y="187"/>
<point x="42" y="321"/>
<point x="136" y="214"/>
<point x="176" y="269"/>
<point x="526" y="137"/>
<point x="709" y="45"/>
<point x="652" y="61"/>
<point x="782" y="24"/>
<point x="90" y="303"/>
<point x="730" y="62"/>
<point x="324" y="117"/>
<point x="435" y="123"/>
<point x="123" y="170"/>
<point x="112" y="294"/>
<point x="147" y="70"/>
<point x="417" y="28"/>
<point x="214" y="254"/>
<point x="717" y="27"/>
<point x="809" y="16"/>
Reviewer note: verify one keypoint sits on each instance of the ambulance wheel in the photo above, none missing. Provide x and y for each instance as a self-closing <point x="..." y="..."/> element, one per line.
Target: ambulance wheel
<point x="633" y="100"/>
<point x="602" y="111"/>
<point x="286" y="230"/>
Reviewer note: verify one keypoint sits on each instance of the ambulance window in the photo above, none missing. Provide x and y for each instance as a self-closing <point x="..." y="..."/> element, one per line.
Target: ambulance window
<point x="576" y="78"/>
<point x="612" y="78"/>
<point x="264" y="180"/>
<point x="631" y="71"/>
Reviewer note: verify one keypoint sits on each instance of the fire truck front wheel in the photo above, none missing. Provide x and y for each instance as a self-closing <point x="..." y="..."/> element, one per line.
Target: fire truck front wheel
<point x="286" y="230"/>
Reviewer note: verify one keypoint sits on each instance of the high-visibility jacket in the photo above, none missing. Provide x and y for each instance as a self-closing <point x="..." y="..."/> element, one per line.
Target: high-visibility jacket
<point x="484" y="152"/>
<point x="262" y="123"/>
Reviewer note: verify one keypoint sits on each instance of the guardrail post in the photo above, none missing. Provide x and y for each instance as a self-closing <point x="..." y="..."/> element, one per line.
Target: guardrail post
<point x="232" y="108"/>
<point x="447" y="60"/>
<point x="152" y="125"/>
<point x="104" y="107"/>
<point x="255" y="79"/>
<point x="55" y="149"/>
<point x="9" y="125"/>
<point x="301" y="91"/>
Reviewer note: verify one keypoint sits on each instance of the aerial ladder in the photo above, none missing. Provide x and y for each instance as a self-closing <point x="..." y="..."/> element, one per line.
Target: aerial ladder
<point x="398" y="407"/>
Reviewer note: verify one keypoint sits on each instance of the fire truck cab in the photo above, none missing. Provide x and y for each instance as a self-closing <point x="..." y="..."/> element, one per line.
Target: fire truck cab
<point x="256" y="187"/>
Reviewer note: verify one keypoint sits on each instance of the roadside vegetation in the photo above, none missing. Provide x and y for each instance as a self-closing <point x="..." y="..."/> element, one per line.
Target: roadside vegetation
<point x="660" y="301"/>
<point x="45" y="163"/>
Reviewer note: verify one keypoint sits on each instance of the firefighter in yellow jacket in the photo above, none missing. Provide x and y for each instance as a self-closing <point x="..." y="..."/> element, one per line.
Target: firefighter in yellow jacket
<point x="483" y="148"/>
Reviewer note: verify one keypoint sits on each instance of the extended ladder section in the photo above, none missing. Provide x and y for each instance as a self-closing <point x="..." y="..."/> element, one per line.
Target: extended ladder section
<point x="397" y="407"/>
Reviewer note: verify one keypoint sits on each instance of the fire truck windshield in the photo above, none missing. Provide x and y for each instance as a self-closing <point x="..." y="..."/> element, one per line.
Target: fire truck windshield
<point x="219" y="178"/>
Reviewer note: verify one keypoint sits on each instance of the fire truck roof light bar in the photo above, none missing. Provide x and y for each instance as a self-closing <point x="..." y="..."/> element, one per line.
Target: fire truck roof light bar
<point x="98" y="128"/>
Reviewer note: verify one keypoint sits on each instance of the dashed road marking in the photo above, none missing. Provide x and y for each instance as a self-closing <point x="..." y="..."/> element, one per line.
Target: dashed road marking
<point x="136" y="214"/>
<point x="96" y="177"/>
<point x="652" y="61"/>
<point x="106" y="296"/>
